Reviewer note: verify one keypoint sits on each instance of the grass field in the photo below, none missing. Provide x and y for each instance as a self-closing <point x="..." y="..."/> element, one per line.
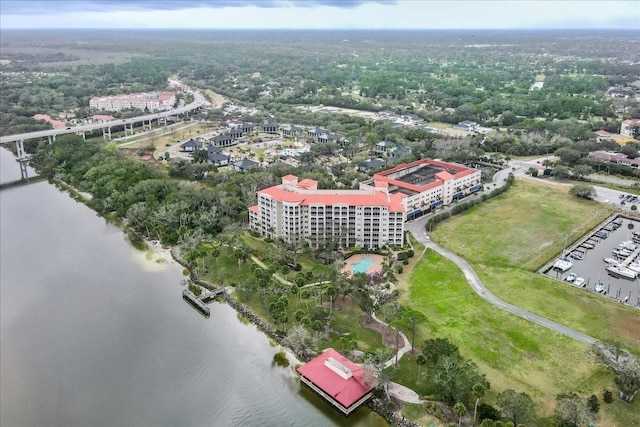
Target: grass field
<point x="527" y="226"/>
<point x="512" y="352"/>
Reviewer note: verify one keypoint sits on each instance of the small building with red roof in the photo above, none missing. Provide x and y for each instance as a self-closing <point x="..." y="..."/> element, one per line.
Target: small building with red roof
<point x="337" y="379"/>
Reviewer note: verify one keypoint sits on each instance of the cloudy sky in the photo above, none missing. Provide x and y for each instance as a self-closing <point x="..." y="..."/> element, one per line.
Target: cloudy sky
<point x="319" y="14"/>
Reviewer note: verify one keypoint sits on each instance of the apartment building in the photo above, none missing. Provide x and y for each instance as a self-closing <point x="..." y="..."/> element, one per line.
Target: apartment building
<point x="150" y="101"/>
<point x="368" y="218"/>
<point x="427" y="184"/>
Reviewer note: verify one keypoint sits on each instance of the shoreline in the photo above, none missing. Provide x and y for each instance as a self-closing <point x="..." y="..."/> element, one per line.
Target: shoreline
<point x="172" y="254"/>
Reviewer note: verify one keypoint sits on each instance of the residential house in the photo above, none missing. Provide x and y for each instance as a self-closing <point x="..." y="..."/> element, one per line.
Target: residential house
<point x="315" y="131"/>
<point x="244" y="165"/>
<point x="372" y="164"/>
<point x="383" y="148"/>
<point x="216" y="156"/>
<point x="191" y="145"/>
<point x="270" y="127"/>
<point x="323" y="138"/>
<point x="240" y="130"/>
<point x="397" y="152"/>
<point x="222" y="140"/>
<point x="467" y="125"/>
<point x="291" y="131"/>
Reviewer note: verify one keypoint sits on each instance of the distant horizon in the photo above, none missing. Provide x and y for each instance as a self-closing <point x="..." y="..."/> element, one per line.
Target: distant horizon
<point x="343" y="15"/>
<point x="332" y="30"/>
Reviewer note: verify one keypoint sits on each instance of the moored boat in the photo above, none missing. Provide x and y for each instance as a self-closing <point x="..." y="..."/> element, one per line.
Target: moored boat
<point x="609" y="260"/>
<point x="563" y="264"/>
<point x="600" y="286"/>
<point x="570" y="278"/>
<point x="579" y="282"/>
<point x="622" y="272"/>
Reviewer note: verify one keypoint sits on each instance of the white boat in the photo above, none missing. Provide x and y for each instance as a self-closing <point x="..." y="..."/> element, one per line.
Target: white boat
<point x="579" y="282"/>
<point x="628" y="245"/>
<point x="563" y="264"/>
<point x="600" y="286"/>
<point x="620" y="271"/>
<point x="635" y="266"/>
<point x="624" y="252"/>
<point x="609" y="260"/>
<point x="571" y="277"/>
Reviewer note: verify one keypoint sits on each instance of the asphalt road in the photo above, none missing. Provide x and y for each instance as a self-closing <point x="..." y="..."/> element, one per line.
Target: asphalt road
<point x="417" y="228"/>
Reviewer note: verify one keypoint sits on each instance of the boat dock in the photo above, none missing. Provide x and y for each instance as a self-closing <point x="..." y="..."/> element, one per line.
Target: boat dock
<point x="631" y="257"/>
<point x="200" y="302"/>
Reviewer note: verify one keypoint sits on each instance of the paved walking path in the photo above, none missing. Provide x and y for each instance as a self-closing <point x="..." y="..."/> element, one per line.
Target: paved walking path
<point x="417" y="228"/>
<point x="401" y="351"/>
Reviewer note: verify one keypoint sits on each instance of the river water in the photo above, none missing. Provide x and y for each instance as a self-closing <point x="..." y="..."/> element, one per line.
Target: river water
<point x="95" y="334"/>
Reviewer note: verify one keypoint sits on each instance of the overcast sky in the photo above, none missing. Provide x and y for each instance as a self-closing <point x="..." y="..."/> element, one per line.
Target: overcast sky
<point x="318" y="14"/>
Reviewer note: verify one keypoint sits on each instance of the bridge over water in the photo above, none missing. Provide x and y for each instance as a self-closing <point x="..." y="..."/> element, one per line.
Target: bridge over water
<point x="23" y="158"/>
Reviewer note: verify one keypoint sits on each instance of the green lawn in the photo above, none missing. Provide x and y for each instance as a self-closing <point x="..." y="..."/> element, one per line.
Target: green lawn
<point x="527" y="226"/>
<point x="512" y="352"/>
<point x="523" y="228"/>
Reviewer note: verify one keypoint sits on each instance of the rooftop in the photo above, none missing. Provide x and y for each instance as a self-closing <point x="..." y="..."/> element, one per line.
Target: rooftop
<point x="306" y="193"/>
<point x="338" y="379"/>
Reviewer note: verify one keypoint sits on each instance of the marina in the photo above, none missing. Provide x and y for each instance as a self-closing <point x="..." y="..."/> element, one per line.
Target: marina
<point x="606" y="261"/>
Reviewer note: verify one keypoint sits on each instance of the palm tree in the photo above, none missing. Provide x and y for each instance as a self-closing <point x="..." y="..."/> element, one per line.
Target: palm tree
<point x="420" y="360"/>
<point x="478" y="391"/>
<point x="460" y="410"/>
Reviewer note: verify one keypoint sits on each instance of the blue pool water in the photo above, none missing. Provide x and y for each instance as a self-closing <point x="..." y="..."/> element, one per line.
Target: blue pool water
<point x="362" y="266"/>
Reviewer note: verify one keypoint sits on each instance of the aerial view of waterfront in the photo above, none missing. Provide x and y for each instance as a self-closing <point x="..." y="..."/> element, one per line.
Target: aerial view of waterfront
<point x="312" y="213"/>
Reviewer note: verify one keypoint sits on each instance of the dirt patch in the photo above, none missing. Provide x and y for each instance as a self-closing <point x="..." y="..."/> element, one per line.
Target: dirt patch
<point x="389" y="338"/>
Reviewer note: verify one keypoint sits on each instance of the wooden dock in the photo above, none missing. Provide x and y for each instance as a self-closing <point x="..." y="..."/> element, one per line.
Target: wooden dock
<point x="196" y="302"/>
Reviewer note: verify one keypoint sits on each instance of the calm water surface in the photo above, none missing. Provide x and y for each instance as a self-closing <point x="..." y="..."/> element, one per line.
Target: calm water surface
<point x="95" y="334"/>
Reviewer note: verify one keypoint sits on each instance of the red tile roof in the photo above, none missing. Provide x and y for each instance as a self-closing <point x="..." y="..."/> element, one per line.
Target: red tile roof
<point x="254" y="208"/>
<point x="335" y="197"/>
<point x="345" y="391"/>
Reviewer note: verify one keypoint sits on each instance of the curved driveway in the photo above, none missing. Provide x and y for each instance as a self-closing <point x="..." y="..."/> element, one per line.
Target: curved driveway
<point x="417" y="228"/>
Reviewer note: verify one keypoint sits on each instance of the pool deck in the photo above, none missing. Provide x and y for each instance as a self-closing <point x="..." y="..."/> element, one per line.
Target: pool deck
<point x="373" y="268"/>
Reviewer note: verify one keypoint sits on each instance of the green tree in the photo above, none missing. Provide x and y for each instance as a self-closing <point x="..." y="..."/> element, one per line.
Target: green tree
<point x="477" y="391"/>
<point x="460" y="410"/>
<point x="572" y="408"/>
<point x="517" y="407"/>
<point x="593" y="404"/>
<point x="583" y="191"/>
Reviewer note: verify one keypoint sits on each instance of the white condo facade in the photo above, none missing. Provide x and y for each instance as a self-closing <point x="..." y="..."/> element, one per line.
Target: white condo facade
<point x="151" y="101"/>
<point x="293" y="210"/>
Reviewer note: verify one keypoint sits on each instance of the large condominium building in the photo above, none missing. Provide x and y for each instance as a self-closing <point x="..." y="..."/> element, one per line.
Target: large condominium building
<point x="151" y="101"/>
<point x="427" y="184"/>
<point x="297" y="210"/>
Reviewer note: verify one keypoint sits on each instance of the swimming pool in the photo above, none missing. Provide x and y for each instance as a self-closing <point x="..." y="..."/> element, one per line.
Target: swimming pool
<point x="362" y="266"/>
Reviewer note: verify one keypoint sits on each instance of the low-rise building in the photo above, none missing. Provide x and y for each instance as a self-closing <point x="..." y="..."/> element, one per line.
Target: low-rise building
<point x="467" y="125"/>
<point x="427" y="184"/>
<point x="244" y="165"/>
<point x="338" y="380"/>
<point x="369" y="217"/>
<point x="617" y="158"/>
<point x="191" y="145"/>
<point x="270" y="127"/>
<point x="630" y="128"/>
<point x="222" y="140"/>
